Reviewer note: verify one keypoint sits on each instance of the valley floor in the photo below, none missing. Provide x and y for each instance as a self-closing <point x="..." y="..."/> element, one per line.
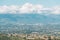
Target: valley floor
<point x="32" y="36"/>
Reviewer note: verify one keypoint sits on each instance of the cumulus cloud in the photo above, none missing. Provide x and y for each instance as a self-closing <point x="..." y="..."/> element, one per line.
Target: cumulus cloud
<point x="8" y="9"/>
<point x="3" y="9"/>
<point x="26" y="8"/>
<point x="29" y="8"/>
<point x="13" y="9"/>
<point x="56" y="10"/>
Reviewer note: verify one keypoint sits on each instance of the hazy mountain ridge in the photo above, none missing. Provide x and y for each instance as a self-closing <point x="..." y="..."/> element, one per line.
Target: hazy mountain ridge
<point x="30" y="18"/>
<point x="27" y="23"/>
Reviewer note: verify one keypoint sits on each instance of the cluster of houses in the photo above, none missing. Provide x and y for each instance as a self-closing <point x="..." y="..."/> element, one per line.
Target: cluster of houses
<point x="35" y="36"/>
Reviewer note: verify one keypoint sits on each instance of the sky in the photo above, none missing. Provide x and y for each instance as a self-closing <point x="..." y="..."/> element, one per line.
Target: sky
<point x="46" y="3"/>
<point x="29" y="6"/>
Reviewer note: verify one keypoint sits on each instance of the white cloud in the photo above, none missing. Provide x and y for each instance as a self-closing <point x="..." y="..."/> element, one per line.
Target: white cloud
<point x="8" y="9"/>
<point x="26" y="8"/>
<point x="38" y="8"/>
<point x="56" y="10"/>
<point x="3" y="9"/>
<point x="13" y="9"/>
<point x="29" y="8"/>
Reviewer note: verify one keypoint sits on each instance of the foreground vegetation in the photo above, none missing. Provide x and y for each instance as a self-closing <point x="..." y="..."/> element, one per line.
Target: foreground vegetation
<point x="27" y="37"/>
